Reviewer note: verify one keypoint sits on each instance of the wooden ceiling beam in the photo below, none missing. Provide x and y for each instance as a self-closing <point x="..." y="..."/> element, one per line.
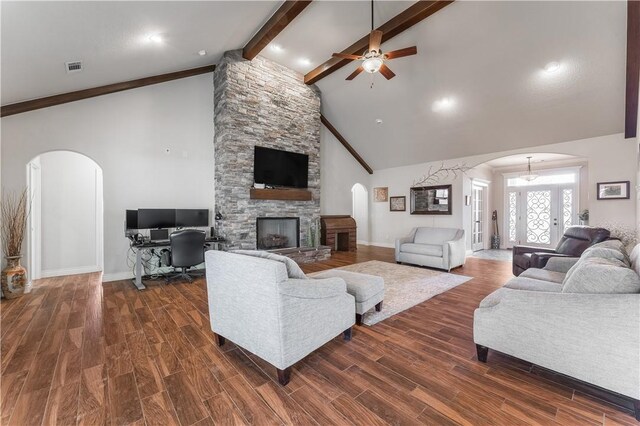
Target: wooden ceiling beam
<point x="64" y="98"/>
<point x="346" y="144"/>
<point x="278" y="22"/>
<point x="405" y="20"/>
<point x="633" y="69"/>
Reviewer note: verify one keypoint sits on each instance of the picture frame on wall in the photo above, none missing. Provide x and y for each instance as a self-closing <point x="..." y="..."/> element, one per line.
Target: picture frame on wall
<point x="381" y="194"/>
<point x="431" y="200"/>
<point x="398" y="204"/>
<point x="614" y="190"/>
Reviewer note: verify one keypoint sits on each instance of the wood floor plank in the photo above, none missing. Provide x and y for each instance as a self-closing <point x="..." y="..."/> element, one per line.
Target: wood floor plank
<point x="250" y="404"/>
<point x="159" y="411"/>
<point x="186" y="400"/>
<point x="124" y="400"/>
<point x="223" y="411"/>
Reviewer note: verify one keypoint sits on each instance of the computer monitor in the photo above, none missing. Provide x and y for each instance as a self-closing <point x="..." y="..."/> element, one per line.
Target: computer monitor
<point x="131" y="219"/>
<point x="156" y="218"/>
<point x="192" y="217"/>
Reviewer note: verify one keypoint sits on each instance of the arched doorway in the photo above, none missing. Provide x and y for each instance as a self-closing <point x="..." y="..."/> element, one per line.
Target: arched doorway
<point x="360" y="211"/>
<point x="65" y="232"/>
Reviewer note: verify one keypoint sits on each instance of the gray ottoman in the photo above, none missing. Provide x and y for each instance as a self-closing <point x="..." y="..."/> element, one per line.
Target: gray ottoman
<point x="368" y="290"/>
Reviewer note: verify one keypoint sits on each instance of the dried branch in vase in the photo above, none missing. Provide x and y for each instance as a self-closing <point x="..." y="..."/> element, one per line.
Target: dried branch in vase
<point x="14" y="210"/>
<point x="443" y="172"/>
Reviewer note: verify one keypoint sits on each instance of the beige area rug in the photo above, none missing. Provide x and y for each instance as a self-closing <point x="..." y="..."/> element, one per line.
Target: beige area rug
<point x="404" y="286"/>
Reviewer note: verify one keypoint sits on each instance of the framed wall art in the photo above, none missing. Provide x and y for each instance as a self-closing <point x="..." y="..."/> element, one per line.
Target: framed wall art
<point x="614" y="190"/>
<point x="398" y="204"/>
<point x="381" y="194"/>
<point x="431" y="200"/>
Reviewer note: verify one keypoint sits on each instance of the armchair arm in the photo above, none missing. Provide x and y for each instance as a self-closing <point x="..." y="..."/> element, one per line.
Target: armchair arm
<point x="313" y="288"/>
<point x="529" y="249"/>
<point x="454" y="252"/>
<point x="408" y="239"/>
<point x="540" y="259"/>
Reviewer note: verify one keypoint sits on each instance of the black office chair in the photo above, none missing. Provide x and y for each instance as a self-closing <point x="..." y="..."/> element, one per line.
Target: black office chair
<point x="187" y="250"/>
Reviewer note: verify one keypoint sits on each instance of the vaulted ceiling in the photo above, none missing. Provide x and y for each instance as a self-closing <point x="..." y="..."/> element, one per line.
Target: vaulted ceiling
<point x="486" y="58"/>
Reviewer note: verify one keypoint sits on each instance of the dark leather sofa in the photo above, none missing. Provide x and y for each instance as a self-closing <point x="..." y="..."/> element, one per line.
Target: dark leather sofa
<point x="574" y="242"/>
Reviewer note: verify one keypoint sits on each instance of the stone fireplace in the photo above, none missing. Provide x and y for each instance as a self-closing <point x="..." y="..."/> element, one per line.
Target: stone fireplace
<point x="277" y="233"/>
<point x="261" y="103"/>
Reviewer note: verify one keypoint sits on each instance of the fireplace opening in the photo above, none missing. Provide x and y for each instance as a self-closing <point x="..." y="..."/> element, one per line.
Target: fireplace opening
<point x="277" y="232"/>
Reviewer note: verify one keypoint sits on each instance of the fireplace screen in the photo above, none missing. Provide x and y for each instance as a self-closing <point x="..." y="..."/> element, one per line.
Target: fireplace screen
<point x="277" y="232"/>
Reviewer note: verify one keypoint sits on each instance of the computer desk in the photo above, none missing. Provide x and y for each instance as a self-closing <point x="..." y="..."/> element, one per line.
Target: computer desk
<point x="140" y="247"/>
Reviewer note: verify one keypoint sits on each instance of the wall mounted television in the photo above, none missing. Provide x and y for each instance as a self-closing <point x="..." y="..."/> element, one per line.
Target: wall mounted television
<point x="274" y="167"/>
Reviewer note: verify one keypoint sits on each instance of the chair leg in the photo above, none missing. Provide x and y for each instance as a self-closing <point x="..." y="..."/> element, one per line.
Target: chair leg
<point x="482" y="352"/>
<point x="636" y="406"/>
<point x="359" y="319"/>
<point x="219" y="339"/>
<point x="284" y="376"/>
<point x="347" y="334"/>
<point x="379" y="307"/>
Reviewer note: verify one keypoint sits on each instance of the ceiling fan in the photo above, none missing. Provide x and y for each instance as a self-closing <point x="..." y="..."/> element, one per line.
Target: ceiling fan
<point x="373" y="60"/>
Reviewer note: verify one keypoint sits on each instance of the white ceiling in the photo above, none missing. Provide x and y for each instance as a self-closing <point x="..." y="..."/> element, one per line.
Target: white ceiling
<point x="110" y="38"/>
<point x="486" y="56"/>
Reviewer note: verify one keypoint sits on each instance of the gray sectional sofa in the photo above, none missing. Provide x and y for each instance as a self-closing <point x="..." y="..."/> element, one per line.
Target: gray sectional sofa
<point x="576" y="316"/>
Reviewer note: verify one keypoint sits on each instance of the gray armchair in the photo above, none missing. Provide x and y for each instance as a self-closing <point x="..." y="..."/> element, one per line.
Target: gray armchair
<point x="254" y="303"/>
<point x="442" y="248"/>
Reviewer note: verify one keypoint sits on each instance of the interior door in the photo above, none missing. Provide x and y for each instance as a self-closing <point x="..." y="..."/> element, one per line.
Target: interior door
<point x="478" y="217"/>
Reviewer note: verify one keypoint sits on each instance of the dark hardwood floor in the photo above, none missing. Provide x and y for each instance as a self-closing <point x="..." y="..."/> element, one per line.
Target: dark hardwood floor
<point x="75" y="351"/>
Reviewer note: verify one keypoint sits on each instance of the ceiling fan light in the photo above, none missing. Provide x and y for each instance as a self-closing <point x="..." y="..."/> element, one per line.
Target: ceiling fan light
<point x="372" y="65"/>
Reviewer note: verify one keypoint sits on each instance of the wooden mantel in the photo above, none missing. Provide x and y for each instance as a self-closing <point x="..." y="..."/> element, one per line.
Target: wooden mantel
<point x="285" y="194"/>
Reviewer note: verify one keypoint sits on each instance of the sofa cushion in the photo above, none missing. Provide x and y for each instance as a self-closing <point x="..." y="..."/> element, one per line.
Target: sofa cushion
<point x="610" y="249"/>
<point x="599" y="275"/>
<point x="424" y="249"/>
<point x="293" y="270"/>
<point x="531" y="284"/>
<point x="438" y="236"/>
<point x="544" y="275"/>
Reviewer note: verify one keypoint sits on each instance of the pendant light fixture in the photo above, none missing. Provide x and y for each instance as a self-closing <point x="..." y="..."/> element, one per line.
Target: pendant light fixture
<point x="529" y="176"/>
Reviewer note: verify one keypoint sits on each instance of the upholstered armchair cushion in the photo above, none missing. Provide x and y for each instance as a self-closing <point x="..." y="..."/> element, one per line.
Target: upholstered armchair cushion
<point x="293" y="269"/>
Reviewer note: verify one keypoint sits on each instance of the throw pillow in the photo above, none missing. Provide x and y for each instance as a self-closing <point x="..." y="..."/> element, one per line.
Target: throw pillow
<point x="293" y="270"/>
<point x="606" y="253"/>
<point x="599" y="275"/>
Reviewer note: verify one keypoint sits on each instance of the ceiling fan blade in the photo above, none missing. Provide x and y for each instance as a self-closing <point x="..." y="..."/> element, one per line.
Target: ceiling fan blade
<point x="375" y="38"/>
<point x="345" y="56"/>
<point x="407" y="51"/>
<point x="386" y="72"/>
<point x="355" y="73"/>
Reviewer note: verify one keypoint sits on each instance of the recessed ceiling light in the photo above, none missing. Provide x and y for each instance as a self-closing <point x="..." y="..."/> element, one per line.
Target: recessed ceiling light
<point x="276" y="48"/>
<point x="379" y="120"/>
<point x="202" y="52"/>
<point x="304" y="61"/>
<point x="156" y="38"/>
<point x="444" y="104"/>
<point x="552" y="67"/>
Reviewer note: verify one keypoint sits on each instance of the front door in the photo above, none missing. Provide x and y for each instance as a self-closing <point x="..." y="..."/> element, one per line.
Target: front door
<point x="538" y="215"/>
<point x="478" y="217"/>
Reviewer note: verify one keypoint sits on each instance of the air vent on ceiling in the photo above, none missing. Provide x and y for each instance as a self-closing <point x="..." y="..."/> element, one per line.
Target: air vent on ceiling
<point x="75" y="66"/>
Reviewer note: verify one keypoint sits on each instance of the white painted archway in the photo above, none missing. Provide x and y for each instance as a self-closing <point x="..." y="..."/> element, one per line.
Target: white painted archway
<point x="360" y="211"/>
<point x="65" y="230"/>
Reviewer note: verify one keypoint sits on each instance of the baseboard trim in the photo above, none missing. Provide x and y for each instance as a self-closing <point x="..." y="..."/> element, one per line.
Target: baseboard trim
<point x="117" y="276"/>
<point x="387" y="245"/>
<point x="69" y="271"/>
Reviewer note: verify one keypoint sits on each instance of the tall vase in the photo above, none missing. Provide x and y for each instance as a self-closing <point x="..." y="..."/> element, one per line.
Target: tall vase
<point x="14" y="278"/>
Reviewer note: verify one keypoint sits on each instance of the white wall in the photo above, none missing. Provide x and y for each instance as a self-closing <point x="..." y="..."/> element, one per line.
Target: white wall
<point x="71" y="200"/>
<point x="610" y="158"/>
<point x="339" y="172"/>
<point x="127" y="134"/>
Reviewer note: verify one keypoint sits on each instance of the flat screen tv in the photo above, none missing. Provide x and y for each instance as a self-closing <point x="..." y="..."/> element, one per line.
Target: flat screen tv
<point x="274" y="167"/>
